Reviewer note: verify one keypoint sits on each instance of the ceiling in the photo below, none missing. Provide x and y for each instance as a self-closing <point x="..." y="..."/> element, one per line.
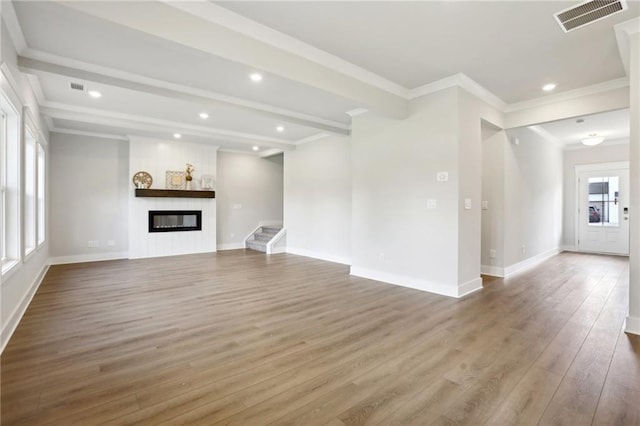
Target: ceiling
<point x="159" y="65"/>
<point x="612" y="125"/>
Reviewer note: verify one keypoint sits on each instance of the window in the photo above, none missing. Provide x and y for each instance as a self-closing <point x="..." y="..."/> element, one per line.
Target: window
<point x="29" y="191"/>
<point x="604" y="208"/>
<point x="41" y="192"/>
<point x="10" y="182"/>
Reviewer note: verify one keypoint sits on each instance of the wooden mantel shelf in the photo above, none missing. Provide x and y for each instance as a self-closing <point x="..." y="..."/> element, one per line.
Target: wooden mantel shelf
<point x="174" y="193"/>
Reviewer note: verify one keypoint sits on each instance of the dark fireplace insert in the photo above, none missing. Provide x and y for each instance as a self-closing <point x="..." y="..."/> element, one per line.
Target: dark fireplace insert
<point x="175" y="220"/>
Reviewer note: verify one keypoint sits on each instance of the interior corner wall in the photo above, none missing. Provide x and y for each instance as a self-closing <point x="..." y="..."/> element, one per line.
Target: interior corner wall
<point x="396" y="238"/>
<point x="494" y="144"/>
<point x="90" y="198"/>
<point x="317" y="199"/>
<point x="249" y="191"/>
<point x="533" y="211"/>
<point x="572" y="158"/>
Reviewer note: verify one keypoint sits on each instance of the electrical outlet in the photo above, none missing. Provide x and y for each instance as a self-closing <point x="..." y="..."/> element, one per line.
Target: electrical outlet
<point x="93" y="243"/>
<point x="467" y="203"/>
<point x="492" y="253"/>
<point x="432" y="203"/>
<point x="485" y="205"/>
<point x="111" y="243"/>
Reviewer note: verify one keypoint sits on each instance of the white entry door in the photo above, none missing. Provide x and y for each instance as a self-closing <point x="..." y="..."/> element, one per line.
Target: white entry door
<point x="603" y="210"/>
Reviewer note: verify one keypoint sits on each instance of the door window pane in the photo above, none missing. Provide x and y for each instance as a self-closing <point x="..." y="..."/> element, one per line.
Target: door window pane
<point x="604" y="206"/>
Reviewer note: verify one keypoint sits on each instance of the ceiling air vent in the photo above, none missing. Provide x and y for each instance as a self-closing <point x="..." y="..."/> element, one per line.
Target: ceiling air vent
<point x="588" y="12"/>
<point x="77" y="86"/>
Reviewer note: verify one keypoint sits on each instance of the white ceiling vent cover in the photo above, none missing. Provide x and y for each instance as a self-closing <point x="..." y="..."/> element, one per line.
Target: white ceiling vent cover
<point x="585" y="13"/>
<point x="77" y="86"/>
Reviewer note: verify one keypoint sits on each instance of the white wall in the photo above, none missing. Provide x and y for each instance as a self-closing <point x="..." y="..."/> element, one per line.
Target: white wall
<point x="317" y="199"/>
<point x="493" y="152"/>
<point x="249" y="190"/>
<point x="572" y="158"/>
<point x="156" y="157"/>
<point x="90" y="196"/>
<point x="395" y="237"/>
<point x="533" y="179"/>
<point x="18" y="287"/>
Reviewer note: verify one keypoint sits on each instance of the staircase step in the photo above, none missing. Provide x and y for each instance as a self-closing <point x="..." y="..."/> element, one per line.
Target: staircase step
<point x="257" y="245"/>
<point x="262" y="236"/>
<point x="271" y="230"/>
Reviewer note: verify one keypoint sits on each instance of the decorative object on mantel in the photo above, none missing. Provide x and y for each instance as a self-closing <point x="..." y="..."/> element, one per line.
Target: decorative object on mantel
<point x="175" y="179"/>
<point x="142" y="180"/>
<point x="207" y="182"/>
<point x="189" y="177"/>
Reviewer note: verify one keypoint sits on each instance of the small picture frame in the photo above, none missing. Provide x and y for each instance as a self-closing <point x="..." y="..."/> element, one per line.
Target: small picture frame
<point x="175" y="179"/>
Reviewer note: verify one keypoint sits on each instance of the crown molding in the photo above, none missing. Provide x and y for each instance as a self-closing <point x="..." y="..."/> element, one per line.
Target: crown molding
<point x="145" y="124"/>
<point x="64" y="131"/>
<point x="13" y="26"/>
<point x="311" y="138"/>
<point x="35" y="60"/>
<point x="612" y="142"/>
<point x="356" y="112"/>
<point x="463" y="81"/>
<point x="569" y="94"/>
<point x="269" y="152"/>
<point x="237" y="151"/>
<point x="250" y="28"/>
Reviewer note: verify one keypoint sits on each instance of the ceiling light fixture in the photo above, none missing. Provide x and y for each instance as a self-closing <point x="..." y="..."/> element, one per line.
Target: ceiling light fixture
<point x="592" y="140"/>
<point x="548" y="87"/>
<point x="256" y="77"/>
<point x="255" y="148"/>
<point x="95" y="94"/>
<point x="280" y="129"/>
<point x="204" y="115"/>
<point x="177" y="135"/>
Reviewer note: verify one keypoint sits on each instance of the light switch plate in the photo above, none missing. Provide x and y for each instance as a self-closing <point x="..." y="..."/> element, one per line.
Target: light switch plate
<point x="237" y="206"/>
<point x="432" y="203"/>
<point x="467" y="203"/>
<point x="485" y="205"/>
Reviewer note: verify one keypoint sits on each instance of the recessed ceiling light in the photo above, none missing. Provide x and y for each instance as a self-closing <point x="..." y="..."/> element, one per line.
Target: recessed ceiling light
<point x="177" y="135"/>
<point x="204" y="115"/>
<point x="280" y="129"/>
<point x="256" y="77"/>
<point x="548" y="87"/>
<point x="592" y="140"/>
<point x="255" y="148"/>
<point x="95" y="94"/>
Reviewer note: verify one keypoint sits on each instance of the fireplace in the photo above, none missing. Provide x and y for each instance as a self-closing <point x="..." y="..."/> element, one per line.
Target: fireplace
<point x="175" y="220"/>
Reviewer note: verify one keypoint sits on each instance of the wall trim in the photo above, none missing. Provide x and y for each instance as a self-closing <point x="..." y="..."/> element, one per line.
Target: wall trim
<point x="94" y="257"/>
<point x="494" y="271"/>
<point x="404" y="281"/>
<point x="319" y="255"/>
<point x="530" y="262"/>
<point x="230" y="246"/>
<point x="17" y="314"/>
<point x="469" y="287"/>
<point x="632" y="325"/>
<point x="64" y="131"/>
<point x="463" y="81"/>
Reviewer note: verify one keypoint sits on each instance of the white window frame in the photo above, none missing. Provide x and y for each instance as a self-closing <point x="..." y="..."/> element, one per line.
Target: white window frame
<point x="30" y="176"/>
<point x="11" y="106"/>
<point x="41" y="196"/>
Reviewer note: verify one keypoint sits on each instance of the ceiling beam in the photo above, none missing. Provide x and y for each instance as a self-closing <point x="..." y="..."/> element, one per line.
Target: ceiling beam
<point x="172" y="91"/>
<point x="208" y="36"/>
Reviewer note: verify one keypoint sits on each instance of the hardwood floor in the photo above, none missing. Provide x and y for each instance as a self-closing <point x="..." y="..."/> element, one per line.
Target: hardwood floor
<point x="242" y="338"/>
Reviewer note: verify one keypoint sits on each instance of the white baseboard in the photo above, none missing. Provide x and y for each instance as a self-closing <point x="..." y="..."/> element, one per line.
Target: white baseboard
<point x="417" y="283"/>
<point x="230" y="246"/>
<point x="97" y="257"/>
<point x="530" y="262"/>
<point x="569" y="248"/>
<point x="17" y="314"/>
<point x="319" y="255"/>
<point x="470" y="287"/>
<point x="632" y="325"/>
<point x="494" y="271"/>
